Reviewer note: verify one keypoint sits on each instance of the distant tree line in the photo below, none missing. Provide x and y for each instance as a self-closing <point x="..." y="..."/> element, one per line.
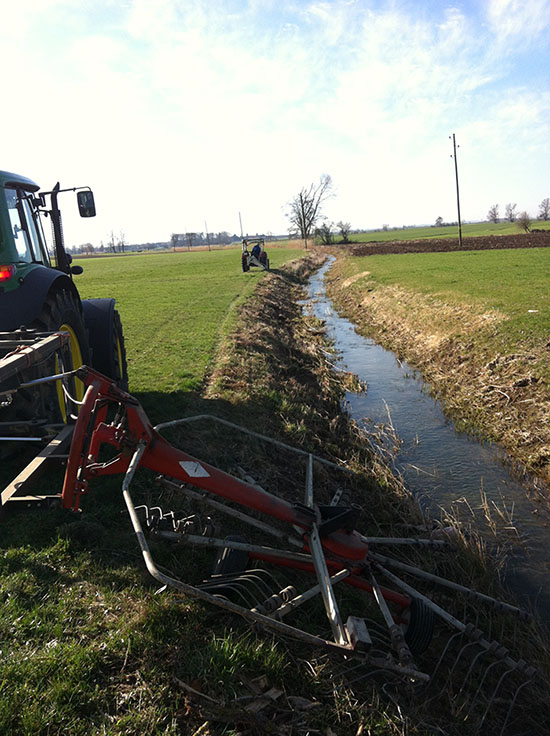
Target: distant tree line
<point x="523" y="219"/>
<point x="192" y="240"/>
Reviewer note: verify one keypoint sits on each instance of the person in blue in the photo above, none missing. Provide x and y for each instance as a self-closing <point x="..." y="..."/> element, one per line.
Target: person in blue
<point x="256" y="250"/>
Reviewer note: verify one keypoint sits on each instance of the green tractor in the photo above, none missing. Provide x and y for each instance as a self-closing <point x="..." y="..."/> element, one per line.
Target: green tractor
<point x="38" y="295"/>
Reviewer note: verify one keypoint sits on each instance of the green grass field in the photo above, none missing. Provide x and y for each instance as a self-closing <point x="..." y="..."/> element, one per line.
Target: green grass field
<point x="78" y="612"/>
<point x="471" y="230"/>
<point x="175" y="307"/>
<point x="510" y="281"/>
<point x="87" y="645"/>
<point x="474" y="229"/>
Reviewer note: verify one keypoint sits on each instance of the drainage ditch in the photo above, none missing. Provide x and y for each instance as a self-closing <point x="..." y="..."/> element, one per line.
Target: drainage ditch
<point x="443" y="468"/>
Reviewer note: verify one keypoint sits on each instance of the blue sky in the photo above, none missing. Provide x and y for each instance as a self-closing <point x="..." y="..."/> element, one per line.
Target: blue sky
<point x="180" y="112"/>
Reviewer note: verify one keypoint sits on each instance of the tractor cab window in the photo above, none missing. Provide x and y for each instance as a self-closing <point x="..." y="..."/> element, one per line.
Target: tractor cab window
<point x="34" y="228"/>
<point x="20" y="237"/>
<point x="26" y="233"/>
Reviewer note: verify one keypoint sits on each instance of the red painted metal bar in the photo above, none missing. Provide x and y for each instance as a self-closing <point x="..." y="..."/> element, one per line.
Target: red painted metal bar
<point x="161" y="457"/>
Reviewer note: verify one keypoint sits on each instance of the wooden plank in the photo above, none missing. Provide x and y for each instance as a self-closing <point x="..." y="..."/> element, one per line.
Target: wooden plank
<point x="53" y="450"/>
<point x="29" y="355"/>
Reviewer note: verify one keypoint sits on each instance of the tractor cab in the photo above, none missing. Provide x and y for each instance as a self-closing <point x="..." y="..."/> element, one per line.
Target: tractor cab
<point x="23" y="246"/>
<point x="254" y="254"/>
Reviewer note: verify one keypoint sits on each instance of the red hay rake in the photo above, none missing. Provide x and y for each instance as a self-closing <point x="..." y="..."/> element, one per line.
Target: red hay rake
<point x="113" y="435"/>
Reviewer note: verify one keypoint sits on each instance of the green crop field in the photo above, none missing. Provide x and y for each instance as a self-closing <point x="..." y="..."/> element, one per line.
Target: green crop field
<point x="175" y="308"/>
<point x="515" y="282"/>
<point x="474" y="229"/>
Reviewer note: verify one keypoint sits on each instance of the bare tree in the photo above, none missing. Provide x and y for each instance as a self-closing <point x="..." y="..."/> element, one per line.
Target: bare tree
<point x="305" y="208"/>
<point x="324" y="232"/>
<point x="544" y="209"/>
<point x="112" y="242"/>
<point x="439" y="221"/>
<point x="492" y="215"/>
<point x="190" y="239"/>
<point x="344" y="229"/>
<point x="174" y="240"/>
<point x="121" y="241"/>
<point x="511" y="212"/>
<point x="524" y="221"/>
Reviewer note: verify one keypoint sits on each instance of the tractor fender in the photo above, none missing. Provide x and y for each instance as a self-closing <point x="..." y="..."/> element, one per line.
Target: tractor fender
<point x="99" y="320"/>
<point x="23" y="305"/>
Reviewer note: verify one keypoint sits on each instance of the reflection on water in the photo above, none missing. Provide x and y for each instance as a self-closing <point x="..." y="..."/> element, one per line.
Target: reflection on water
<point x="435" y="461"/>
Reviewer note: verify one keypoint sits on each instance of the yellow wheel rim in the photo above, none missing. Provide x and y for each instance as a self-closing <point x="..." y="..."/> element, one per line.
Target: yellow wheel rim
<point x="77" y="362"/>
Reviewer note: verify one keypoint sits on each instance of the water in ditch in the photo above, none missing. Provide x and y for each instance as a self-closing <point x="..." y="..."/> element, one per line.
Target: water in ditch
<point x="439" y="464"/>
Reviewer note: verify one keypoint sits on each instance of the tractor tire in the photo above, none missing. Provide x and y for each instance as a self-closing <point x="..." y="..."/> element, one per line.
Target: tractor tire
<point x="118" y="353"/>
<point x="230" y="561"/>
<point x="419" y="628"/>
<point x="245" y="265"/>
<point x="106" y="339"/>
<point x="62" y="312"/>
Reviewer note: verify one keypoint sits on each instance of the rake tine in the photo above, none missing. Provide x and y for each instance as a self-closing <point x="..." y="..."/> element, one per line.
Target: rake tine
<point x="457" y="659"/>
<point x="492" y="698"/>
<point x="458" y="635"/>
<point x="471" y="668"/>
<point x="256" y="582"/>
<point x="237" y="589"/>
<point x="523" y="684"/>
<point x="469" y="629"/>
<point x="480" y="686"/>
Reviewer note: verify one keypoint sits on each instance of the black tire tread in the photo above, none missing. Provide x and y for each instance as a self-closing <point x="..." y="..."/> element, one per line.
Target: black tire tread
<point x="420" y="627"/>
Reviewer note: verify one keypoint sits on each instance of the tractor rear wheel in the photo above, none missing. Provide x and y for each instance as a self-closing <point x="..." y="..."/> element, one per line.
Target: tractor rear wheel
<point x="118" y="350"/>
<point x="61" y="312"/>
<point x="106" y="340"/>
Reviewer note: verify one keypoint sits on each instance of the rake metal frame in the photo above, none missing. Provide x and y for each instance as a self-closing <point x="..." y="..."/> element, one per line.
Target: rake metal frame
<point x="323" y="538"/>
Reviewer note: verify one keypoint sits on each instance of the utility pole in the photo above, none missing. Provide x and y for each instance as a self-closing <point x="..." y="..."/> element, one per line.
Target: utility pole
<point x="453" y="155"/>
<point x="241" y="224"/>
<point x="207" y="234"/>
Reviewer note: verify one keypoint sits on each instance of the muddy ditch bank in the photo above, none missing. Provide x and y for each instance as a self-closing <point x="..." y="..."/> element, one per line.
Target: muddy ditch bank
<point x="447" y="245"/>
<point x="492" y="395"/>
<point x="275" y="374"/>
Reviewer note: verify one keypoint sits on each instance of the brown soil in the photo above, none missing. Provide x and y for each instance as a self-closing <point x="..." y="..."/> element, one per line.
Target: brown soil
<point x="444" y="245"/>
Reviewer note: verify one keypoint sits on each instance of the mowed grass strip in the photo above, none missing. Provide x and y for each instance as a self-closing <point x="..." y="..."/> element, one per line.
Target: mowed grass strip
<point x="174" y="308"/>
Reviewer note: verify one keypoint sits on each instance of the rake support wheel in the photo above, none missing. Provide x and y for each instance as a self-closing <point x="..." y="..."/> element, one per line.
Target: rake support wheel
<point x="419" y="628"/>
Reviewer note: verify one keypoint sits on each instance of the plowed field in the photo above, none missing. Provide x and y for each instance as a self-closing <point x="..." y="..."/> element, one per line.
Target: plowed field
<point x="444" y="245"/>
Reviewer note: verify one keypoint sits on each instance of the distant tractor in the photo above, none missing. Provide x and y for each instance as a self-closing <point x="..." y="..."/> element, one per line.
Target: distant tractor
<point x="38" y="296"/>
<point x="254" y="254"/>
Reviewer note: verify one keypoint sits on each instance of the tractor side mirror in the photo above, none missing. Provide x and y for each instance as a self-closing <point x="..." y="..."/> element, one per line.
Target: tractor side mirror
<point x="77" y="270"/>
<point x="86" y="204"/>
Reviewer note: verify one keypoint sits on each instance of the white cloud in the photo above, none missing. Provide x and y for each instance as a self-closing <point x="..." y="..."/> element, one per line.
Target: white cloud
<point x="179" y="112"/>
<point x="521" y="18"/>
